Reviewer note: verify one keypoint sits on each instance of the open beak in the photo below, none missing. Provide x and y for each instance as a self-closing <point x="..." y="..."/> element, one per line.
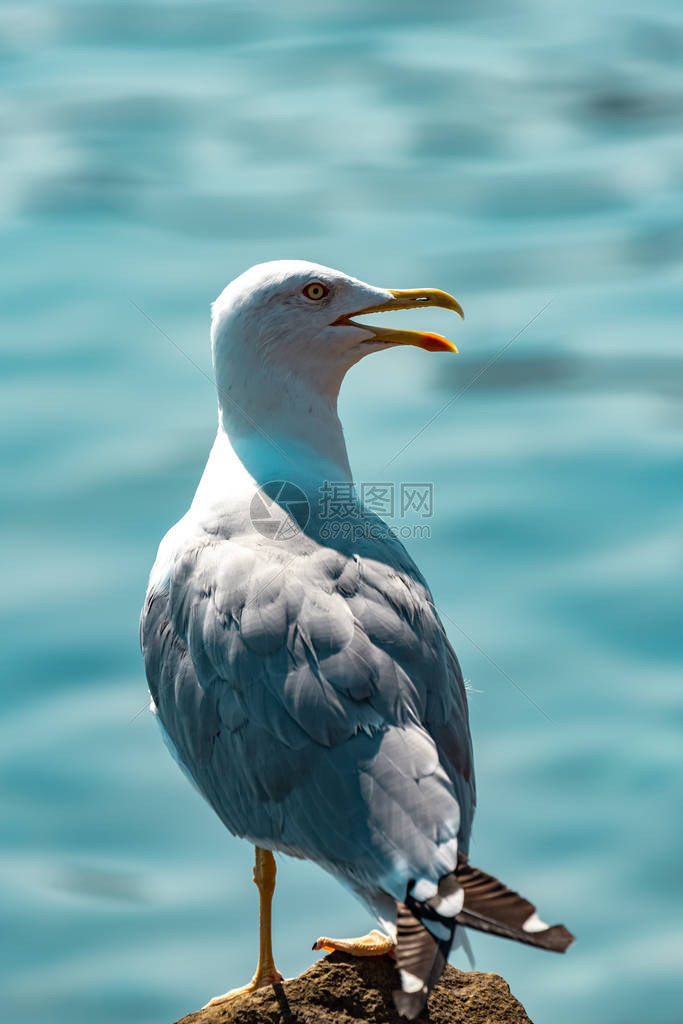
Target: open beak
<point x="409" y="298"/>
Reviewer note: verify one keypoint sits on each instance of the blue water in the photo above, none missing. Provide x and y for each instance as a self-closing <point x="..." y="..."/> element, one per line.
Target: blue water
<point x="526" y="156"/>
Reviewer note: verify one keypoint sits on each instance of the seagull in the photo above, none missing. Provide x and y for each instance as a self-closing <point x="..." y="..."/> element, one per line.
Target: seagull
<point x="301" y="676"/>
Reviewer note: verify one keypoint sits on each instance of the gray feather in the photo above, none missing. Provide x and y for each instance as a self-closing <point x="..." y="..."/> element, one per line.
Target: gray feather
<point x="315" y="701"/>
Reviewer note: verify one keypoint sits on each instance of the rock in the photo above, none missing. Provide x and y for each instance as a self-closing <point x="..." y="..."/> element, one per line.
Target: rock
<point x="341" y="989"/>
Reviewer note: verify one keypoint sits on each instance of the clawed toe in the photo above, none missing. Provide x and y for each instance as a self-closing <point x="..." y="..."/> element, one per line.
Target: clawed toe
<point x="270" y="977"/>
<point x="375" y="943"/>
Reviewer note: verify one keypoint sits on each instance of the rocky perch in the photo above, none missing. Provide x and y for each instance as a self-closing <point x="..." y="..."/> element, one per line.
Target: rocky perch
<point x="341" y="989"/>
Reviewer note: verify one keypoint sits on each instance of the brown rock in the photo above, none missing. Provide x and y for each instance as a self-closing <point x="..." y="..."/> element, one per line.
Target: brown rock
<point x="341" y="989"/>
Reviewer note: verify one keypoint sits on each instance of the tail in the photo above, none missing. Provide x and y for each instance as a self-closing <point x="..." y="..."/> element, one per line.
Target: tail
<point x="426" y="928"/>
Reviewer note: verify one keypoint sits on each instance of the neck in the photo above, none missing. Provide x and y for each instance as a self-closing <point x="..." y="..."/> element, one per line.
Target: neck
<point x="282" y="425"/>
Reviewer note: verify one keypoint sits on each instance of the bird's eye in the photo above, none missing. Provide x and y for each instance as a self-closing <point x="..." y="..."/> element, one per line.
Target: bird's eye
<point x="316" y="290"/>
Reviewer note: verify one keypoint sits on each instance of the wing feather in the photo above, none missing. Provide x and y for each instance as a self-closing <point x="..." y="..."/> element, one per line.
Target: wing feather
<point x="315" y="701"/>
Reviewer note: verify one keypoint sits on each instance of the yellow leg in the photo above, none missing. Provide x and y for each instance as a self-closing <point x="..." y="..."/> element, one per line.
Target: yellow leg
<point x="266" y="971"/>
<point x="375" y="943"/>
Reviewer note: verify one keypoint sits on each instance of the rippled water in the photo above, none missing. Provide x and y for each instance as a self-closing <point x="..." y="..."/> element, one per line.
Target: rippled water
<point x="527" y="157"/>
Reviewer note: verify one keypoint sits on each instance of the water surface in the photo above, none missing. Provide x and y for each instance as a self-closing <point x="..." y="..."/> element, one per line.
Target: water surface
<point x="527" y="157"/>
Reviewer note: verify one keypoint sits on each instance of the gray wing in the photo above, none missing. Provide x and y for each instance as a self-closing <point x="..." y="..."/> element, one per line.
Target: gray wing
<point x="315" y="701"/>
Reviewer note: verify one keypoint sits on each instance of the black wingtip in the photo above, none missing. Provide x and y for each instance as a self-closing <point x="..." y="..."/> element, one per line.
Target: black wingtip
<point x="409" y="1004"/>
<point x="557" y="938"/>
<point x="489" y="906"/>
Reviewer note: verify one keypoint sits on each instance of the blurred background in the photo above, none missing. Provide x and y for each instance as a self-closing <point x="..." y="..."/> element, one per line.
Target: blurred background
<point x="526" y="156"/>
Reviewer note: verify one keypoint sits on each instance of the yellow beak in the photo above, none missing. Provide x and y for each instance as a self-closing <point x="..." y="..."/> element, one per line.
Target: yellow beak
<point x="410" y="298"/>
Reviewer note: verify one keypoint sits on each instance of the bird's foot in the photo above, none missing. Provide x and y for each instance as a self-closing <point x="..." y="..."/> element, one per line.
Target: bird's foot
<point x="375" y="943"/>
<point x="262" y="978"/>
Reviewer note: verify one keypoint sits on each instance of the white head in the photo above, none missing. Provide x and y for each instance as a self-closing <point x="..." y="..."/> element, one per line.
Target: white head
<point x="282" y="339"/>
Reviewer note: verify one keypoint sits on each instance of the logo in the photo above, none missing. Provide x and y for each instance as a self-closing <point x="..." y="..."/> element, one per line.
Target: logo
<point x="279" y="510"/>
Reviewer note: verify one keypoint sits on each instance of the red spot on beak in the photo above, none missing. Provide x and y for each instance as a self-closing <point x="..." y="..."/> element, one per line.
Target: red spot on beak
<point x="436" y="343"/>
